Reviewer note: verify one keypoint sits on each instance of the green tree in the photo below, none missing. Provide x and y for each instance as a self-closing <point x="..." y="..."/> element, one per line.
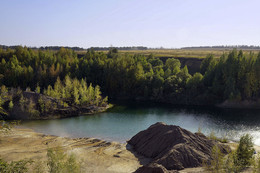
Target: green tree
<point x="245" y="151"/>
<point x="217" y="163"/>
<point x="97" y="94"/>
<point x="76" y="95"/>
<point x="2" y="111"/>
<point x="195" y="81"/>
<point x="173" y="65"/>
<point x="11" y="105"/>
<point x="22" y="102"/>
<point x="68" y="86"/>
<point x="38" y="89"/>
<point x="207" y="64"/>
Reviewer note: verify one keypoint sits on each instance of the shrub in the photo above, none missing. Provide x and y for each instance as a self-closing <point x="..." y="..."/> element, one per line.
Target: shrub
<point x="6" y="127"/>
<point x="256" y="164"/>
<point x="229" y="165"/>
<point x="212" y="136"/>
<point x="235" y="161"/>
<point x="15" y="166"/>
<point x="217" y="162"/>
<point x="61" y="162"/>
<point x="244" y="152"/>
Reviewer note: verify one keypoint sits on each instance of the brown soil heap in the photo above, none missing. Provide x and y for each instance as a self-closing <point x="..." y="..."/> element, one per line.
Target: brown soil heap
<point x="173" y="147"/>
<point x="154" y="168"/>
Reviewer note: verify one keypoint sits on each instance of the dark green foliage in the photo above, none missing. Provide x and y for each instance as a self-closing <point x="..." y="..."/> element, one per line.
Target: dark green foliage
<point x="234" y="76"/>
<point x="2" y="111"/>
<point x="207" y="64"/>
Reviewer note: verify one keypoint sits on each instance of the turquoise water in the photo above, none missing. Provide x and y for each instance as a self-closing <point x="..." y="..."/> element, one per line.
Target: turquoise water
<point x="123" y="121"/>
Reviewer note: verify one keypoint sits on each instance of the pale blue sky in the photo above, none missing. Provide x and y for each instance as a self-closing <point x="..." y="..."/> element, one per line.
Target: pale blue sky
<point x="151" y="23"/>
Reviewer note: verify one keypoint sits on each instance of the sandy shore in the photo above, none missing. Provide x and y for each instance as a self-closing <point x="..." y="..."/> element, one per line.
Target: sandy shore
<point x="95" y="155"/>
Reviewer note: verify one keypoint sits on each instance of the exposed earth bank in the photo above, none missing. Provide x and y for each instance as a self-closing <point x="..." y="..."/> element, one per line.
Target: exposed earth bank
<point x="158" y="154"/>
<point x="95" y="155"/>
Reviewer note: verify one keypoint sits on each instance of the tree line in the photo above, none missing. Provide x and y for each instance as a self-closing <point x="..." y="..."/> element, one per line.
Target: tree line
<point x="244" y="47"/>
<point x="120" y="48"/>
<point x="233" y="76"/>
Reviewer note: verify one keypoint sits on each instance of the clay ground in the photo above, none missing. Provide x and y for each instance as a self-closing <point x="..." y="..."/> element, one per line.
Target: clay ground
<point x="95" y="155"/>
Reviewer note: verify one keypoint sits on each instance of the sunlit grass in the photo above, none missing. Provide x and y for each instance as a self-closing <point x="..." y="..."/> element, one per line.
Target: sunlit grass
<point x="186" y="53"/>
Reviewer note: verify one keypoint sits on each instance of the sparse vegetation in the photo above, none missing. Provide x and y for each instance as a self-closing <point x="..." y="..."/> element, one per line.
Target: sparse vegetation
<point x="20" y="166"/>
<point x="244" y="152"/>
<point x="217" y="162"/>
<point x="222" y="139"/>
<point x="235" y="161"/>
<point x="61" y="162"/>
<point x="58" y="161"/>
<point x="212" y="135"/>
<point x="6" y="127"/>
<point x="256" y="163"/>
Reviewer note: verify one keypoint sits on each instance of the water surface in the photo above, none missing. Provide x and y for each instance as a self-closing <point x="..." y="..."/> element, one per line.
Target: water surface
<point x="123" y="121"/>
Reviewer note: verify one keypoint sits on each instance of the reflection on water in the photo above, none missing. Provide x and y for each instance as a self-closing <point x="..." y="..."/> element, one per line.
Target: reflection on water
<point x="125" y="120"/>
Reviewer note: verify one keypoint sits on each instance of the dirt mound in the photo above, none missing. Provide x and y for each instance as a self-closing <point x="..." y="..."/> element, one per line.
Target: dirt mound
<point x="174" y="147"/>
<point x="154" y="168"/>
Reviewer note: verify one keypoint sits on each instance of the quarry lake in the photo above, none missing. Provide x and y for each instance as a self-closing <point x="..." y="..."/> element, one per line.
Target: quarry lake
<point x="123" y="121"/>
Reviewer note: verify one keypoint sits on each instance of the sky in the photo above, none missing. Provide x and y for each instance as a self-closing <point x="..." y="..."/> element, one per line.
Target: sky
<point x="151" y="23"/>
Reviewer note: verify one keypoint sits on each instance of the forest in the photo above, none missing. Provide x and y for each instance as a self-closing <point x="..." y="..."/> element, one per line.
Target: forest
<point x="233" y="76"/>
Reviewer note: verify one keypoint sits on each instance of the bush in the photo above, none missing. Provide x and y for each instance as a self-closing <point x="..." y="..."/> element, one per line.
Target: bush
<point x="212" y="136"/>
<point x="244" y="152"/>
<point x="256" y="164"/>
<point x="235" y="161"/>
<point x="6" y="127"/>
<point x="15" y="166"/>
<point x="217" y="162"/>
<point x="61" y="162"/>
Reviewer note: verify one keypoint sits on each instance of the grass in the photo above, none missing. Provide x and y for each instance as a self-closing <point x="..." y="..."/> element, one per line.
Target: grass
<point x="187" y="53"/>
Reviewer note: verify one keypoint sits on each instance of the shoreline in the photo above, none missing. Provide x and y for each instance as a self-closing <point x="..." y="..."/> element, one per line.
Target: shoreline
<point x="96" y="155"/>
<point x="69" y="136"/>
<point x="102" y="138"/>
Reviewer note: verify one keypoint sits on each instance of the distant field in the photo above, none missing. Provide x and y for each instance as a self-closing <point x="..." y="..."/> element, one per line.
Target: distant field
<point x="189" y="53"/>
<point x="186" y="53"/>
